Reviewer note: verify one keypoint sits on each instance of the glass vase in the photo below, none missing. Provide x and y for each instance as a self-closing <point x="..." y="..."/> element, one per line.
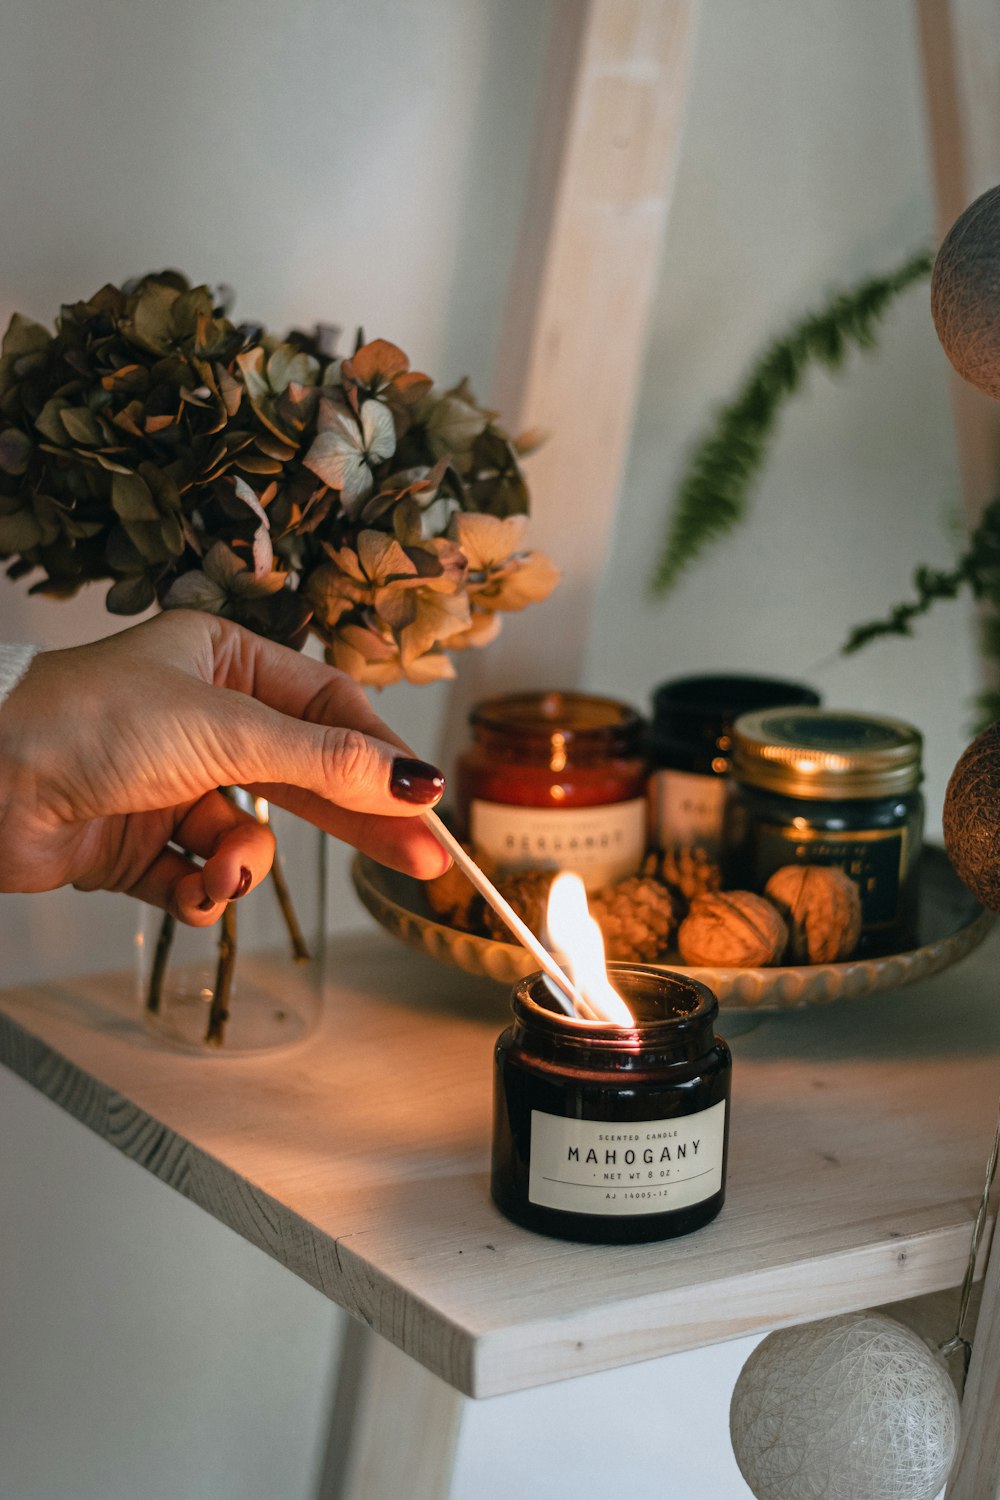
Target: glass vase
<point x="253" y="981"/>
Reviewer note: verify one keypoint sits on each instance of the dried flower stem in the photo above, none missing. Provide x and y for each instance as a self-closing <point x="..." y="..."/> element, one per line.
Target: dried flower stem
<point x="218" y="1013"/>
<point x="226" y="965"/>
<point x="300" y="948"/>
<point x="159" y="969"/>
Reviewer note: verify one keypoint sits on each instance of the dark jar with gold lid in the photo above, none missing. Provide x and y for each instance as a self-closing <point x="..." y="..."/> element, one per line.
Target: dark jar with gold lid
<point x="612" y="1134"/>
<point x="830" y="787"/>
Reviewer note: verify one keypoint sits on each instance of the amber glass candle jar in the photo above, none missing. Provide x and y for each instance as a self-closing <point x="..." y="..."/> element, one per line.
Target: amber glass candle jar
<point x="606" y="1133"/>
<point x="556" y="781"/>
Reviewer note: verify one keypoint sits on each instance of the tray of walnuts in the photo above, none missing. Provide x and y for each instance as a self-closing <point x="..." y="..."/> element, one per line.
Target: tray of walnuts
<point x="791" y="946"/>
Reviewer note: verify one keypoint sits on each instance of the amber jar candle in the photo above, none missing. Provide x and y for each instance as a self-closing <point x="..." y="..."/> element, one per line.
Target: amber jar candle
<point x="556" y="781"/>
<point x="606" y="1133"/>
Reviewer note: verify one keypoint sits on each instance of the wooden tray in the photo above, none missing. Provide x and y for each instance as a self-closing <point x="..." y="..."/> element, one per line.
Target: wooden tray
<point x="951" y="924"/>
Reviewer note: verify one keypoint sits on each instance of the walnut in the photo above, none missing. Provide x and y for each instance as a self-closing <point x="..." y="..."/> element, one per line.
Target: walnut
<point x="454" y="898"/>
<point x="822" y="906"/>
<point x="636" y="917"/>
<point x="732" y="929"/>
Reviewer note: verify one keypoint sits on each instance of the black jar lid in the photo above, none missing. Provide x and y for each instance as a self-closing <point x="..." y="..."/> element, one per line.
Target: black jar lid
<point x="699" y="712"/>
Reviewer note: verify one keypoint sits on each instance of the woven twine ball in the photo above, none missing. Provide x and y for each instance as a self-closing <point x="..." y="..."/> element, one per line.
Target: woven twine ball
<point x="850" y="1408"/>
<point x="965" y="293"/>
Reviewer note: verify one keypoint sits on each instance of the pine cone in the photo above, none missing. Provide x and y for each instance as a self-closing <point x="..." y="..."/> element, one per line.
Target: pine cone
<point x="692" y="870"/>
<point x="454" y="898"/>
<point x="528" y="894"/>
<point x="636" y="916"/>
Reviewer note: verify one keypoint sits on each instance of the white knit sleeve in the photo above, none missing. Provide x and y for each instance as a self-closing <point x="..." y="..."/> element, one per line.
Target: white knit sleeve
<point x="14" y="662"/>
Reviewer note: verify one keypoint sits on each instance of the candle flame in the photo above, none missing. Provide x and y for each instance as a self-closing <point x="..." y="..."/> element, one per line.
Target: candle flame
<point x="574" y="932"/>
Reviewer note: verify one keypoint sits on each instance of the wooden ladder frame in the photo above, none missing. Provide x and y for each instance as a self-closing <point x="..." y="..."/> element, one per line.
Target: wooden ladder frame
<point x="960" y="54"/>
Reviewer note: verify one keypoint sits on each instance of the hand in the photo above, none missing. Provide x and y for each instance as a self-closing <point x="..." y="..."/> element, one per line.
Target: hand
<point x="112" y="754"/>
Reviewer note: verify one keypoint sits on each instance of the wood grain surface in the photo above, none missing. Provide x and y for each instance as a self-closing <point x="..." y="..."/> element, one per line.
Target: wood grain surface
<point x="360" y="1161"/>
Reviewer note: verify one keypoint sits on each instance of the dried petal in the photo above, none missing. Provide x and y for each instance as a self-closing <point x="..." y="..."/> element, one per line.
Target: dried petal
<point x="452" y="426"/>
<point x="24" y="337"/>
<point x="343" y="455"/>
<point x="288" y="365"/>
<point x="525" y="580"/>
<point x="382" y="558"/>
<point x="195" y="590"/>
<point x="488" y="541"/>
<point x="132" y="498"/>
<point x="434" y="667"/>
<point x="131" y="596"/>
<point x="375" y="365"/>
<point x="437" y="617"/>
<point x="15" y="451"/>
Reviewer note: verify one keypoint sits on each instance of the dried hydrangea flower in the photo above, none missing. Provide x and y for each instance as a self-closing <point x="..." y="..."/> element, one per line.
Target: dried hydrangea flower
<point x="193" y="462"/>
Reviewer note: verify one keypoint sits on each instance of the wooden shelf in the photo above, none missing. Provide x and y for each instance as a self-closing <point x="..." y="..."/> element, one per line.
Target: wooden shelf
<point x="360" y="1161"/>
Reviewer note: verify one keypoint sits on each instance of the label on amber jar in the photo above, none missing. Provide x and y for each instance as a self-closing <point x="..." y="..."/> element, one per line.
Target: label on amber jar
<point x="688" y="810"/>
<point x="641" y="1167"/>
<point x="599" y="843"/>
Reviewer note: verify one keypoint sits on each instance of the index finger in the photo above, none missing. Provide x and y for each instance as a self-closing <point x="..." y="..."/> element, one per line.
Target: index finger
<point x="293" y="684"/>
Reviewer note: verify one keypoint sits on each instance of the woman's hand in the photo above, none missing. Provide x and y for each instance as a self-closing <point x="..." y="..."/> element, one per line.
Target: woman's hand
<point x="112" y="754"/>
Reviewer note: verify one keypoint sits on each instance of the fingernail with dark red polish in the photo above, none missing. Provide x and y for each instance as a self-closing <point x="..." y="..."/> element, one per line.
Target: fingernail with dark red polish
<point x="206" y="905"/>
<point x="416" y="781"/>
<point x="243" y="884"/>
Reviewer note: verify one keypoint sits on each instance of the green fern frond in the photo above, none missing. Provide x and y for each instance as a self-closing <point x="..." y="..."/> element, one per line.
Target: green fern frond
<point x="978" y="570"/>
<point x="712" y="496"/>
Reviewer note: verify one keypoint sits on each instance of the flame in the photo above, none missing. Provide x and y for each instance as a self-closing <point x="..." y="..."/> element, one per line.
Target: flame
<point x="575" y="933"/>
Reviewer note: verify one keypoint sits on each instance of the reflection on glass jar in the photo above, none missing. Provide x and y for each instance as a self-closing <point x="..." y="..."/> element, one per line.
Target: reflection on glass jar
<point x="832" y="788"/>
<point x="555" y="781"/>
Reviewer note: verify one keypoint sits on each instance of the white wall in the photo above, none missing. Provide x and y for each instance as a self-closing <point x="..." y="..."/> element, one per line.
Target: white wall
<point x="804" y="170"/>
<point x="364" y="162"/>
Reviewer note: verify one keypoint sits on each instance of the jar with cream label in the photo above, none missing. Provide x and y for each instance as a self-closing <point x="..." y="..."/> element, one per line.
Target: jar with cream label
<point x="555" y="781"/>
<point x="608" y="1133"/>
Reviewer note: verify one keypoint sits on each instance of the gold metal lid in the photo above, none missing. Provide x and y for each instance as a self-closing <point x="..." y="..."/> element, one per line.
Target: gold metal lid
<point x="821" y="752"/>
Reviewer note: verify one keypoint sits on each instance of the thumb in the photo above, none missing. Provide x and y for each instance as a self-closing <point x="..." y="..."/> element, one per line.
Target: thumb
<point x="340" y="763"/>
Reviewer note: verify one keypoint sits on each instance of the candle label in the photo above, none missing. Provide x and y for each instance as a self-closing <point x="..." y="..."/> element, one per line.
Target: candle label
<point x="688" y="810"/>
<point x="599" y="843"/>
<point x="637" y="1167"/>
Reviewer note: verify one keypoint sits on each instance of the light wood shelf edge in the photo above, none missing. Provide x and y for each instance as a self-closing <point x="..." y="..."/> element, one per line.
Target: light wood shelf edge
<point x="492" y="1361"/>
